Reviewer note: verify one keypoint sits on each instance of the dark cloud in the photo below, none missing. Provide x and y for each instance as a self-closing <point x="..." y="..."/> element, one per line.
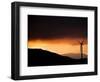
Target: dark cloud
<point x="55" y="27"/>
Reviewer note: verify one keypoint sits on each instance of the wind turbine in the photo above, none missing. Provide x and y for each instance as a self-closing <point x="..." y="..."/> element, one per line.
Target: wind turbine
<point x="81" y="49"/>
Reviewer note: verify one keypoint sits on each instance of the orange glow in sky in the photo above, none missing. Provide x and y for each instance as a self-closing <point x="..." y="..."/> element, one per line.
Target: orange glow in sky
<point x="61" y="46"/>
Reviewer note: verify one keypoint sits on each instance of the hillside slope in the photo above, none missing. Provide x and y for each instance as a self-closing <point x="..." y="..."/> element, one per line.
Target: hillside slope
<point x="39" y="57"/>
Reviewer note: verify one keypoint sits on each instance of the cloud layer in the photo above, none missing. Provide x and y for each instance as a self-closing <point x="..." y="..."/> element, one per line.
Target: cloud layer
<point x="53" y="27"/>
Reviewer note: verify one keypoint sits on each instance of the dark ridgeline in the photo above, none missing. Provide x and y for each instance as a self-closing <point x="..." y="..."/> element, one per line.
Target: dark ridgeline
<point x="39" y="57"/>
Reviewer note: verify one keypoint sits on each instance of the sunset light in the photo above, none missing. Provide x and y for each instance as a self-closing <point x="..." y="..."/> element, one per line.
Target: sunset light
<point x="57" y="40"/>
<point x="60" y="46"/>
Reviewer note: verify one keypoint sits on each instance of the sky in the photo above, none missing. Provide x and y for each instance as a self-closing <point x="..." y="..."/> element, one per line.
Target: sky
<point x="61" y="35"/>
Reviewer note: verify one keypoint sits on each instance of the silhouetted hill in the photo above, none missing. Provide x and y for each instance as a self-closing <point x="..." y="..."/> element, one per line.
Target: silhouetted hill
<point x="39" y="57"/>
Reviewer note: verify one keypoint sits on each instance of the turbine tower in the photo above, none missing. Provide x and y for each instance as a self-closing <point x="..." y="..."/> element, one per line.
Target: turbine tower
<point x="81" y="49"/>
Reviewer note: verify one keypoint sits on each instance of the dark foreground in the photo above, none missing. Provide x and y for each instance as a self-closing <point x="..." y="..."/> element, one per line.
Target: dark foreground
<point x="39" y="57"/>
